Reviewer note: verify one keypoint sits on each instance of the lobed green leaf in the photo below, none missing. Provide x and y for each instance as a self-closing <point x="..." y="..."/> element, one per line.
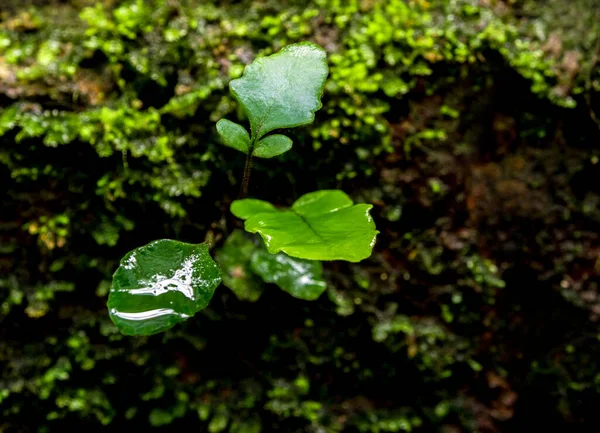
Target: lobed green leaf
<point x="322" y="225"/>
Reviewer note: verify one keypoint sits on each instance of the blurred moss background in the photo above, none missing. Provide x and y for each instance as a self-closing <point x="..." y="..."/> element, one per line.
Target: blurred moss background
<point x="472" y="125"/>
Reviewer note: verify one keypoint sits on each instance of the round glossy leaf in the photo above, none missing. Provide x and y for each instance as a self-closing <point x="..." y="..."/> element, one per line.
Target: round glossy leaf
<point x="161" y="284"/>
<point x="322" y="225"/>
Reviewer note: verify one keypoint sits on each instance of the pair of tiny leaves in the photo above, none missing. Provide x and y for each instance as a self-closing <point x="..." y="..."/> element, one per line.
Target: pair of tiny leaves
<point x="279" y="91"/>
<point x="166" y="281"/>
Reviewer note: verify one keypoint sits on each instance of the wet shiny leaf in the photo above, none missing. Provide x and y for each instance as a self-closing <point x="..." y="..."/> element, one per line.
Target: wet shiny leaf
<point x="245" y="262"/>
<point x="234" y="259"/>
<point x="300" y="278"/>
<point x="322" y="225"/>
<point x="161" y="284"/>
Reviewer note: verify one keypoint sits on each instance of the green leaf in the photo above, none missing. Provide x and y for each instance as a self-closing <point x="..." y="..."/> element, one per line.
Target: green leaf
<point x="245" y="263"/>
<point x="161" y="284"/>
<point x="234" y="258"/>
<point x="272" y="145"/>
<point x="282" y="90"/>
<point x="245" y="208"/>
<point x="300" y="278"/>
<point x="233" y="135"/>
<point x="237" y="137"/>
<point x="321" y="225"/>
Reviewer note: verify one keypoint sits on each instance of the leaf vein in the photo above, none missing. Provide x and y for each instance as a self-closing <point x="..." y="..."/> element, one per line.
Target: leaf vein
<point x="309" y="225"/>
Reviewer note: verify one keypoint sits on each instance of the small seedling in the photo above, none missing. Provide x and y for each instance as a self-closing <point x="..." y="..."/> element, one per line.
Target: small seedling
<point x="165" y="282"/>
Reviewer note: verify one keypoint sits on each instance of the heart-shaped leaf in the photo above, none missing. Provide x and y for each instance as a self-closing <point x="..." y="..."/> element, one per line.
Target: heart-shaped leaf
<point x="321" y="225"/>
<point x="300" y="278"/>
<point x="161" y="284"/>
<point x="234" y="258"/>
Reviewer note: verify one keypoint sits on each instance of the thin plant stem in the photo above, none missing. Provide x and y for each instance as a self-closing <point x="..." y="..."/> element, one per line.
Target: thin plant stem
<point x="247" y="170"/>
